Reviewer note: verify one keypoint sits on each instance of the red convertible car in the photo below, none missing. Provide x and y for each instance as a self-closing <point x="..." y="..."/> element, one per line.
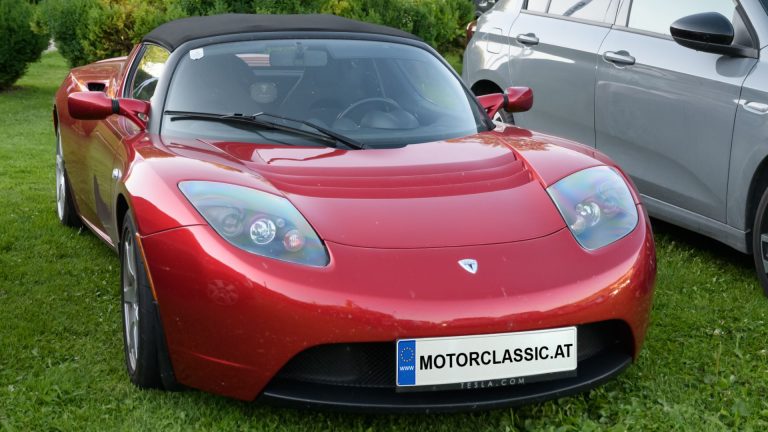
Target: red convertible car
<point x="316" y="211"/>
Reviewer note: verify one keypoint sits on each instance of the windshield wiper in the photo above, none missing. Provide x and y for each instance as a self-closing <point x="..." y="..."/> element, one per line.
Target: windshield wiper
<point x="349" y="142"/>
<point x="331" y="138"/>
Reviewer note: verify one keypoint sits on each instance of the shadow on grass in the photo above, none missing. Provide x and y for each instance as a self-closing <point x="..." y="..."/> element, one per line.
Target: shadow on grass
<point x="717" y="251"/>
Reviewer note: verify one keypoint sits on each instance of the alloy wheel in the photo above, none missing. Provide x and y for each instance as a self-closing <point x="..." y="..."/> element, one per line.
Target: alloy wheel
<point x="764" y="245"/>
<point x="61" y="187"/>
<point x="130" y="301"/>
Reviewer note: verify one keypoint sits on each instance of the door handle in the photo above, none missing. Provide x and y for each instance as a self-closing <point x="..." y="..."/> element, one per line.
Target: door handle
<point x="756" y="107"/>
<point x="528" y="39"/>
<point x="619" y="57"/>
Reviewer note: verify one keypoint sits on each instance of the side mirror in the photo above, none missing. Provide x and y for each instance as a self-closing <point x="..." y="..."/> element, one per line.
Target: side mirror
<point x="709" y="32"/>
<point x="516" y="99"/>
<point x="98" y="106"/>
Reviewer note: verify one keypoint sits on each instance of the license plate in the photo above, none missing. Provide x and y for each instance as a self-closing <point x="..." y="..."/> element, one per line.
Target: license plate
<point x="485" y="360"/>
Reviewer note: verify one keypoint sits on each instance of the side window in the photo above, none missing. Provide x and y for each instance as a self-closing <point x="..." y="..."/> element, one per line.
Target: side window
<point x="147" y="73"/>
<point x="538" y="5"/>
<point x="593" y="10"/>
<point x="657" y="15"/>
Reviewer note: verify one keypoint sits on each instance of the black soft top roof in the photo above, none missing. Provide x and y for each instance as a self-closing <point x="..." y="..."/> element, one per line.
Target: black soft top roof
<point x="174" y="33"/>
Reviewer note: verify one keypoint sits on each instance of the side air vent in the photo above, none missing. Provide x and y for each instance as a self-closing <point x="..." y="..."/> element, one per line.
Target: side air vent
<point x="96" y="86"/>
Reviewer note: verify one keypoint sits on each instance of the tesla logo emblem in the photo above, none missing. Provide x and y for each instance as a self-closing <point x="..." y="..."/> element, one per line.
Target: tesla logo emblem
<point x="469" y="265"/>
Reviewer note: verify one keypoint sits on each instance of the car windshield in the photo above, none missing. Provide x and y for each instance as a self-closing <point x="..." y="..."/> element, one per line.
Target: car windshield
<point x="377" y="93"/>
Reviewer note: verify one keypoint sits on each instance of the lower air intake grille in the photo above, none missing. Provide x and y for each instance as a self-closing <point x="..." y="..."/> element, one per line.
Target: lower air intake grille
<point x="373" y="364"/>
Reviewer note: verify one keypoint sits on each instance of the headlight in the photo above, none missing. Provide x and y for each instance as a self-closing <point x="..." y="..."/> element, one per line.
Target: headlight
<point x="258" y="222"/>
<point x="596" y="205"/>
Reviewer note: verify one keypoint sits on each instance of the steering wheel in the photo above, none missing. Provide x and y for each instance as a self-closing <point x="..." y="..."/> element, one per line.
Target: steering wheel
<point x="386" y="101"/>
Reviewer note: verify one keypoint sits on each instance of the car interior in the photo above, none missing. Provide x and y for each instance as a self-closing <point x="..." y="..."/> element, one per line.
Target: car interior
<point x="349" y="91"/>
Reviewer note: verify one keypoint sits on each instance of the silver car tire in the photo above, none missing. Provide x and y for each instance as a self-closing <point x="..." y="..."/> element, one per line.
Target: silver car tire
<point x="140" y="324"/>
<point x="65" y="207"/>
<point x="760" y="242"/>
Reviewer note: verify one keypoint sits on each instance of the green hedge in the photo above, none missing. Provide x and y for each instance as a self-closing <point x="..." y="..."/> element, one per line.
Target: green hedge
<point x="439" y="22"/>
<point x="90" y="30"/>
<point x="20" y="43"/>
<point x="64" y="19"/>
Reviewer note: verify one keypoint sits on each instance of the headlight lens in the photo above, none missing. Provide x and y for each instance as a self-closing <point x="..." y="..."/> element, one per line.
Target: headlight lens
<point x="596" y="205"/>
<point x="257" y="222"/>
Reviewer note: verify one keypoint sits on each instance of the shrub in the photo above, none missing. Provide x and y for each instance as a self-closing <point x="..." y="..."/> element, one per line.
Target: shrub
<point x="438" y="22"/>
<point x="149" y="15"/>
<point x="21" y="44"/>
<point x="213" y="7"/>
<point x="108" y="31"/>
<point x="90" y="30"/>
<point x="65" y="20"/>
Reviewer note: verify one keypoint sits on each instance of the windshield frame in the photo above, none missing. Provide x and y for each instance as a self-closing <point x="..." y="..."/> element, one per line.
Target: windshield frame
<point x="160" y="98"/>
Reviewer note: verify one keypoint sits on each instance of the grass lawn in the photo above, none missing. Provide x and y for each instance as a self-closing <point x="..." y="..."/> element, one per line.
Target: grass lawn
<point x="704" y="366"/>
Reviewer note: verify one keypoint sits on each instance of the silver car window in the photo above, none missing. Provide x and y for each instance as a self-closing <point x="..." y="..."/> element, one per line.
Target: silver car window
<point x="593" y="10"/>
<point x="657" y="15"/>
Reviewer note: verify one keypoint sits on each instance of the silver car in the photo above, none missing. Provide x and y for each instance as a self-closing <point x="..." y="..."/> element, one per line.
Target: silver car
<point x="676" y="91"/>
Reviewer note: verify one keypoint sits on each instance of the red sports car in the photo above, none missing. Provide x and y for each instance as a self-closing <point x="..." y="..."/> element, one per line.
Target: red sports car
<point x="315" y="210"/>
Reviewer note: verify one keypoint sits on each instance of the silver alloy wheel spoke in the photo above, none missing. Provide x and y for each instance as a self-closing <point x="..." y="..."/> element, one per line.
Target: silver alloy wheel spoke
<point x="130" y="302"/>
<point x="764" y="250"/>
<point x="60" y="185"/>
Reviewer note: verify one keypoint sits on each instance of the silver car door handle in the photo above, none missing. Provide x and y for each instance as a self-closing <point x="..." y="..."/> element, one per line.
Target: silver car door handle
<point x="756" y="107"/>
<point x="527" y="39"/>
<point x="620" y="58"/>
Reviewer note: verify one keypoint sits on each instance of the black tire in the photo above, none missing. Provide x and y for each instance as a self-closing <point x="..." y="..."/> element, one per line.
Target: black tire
<point x="504" y="117"/>
<point x="141" y="335"/>
<point x="760" y="242"/>
<point x="65" y="206"/>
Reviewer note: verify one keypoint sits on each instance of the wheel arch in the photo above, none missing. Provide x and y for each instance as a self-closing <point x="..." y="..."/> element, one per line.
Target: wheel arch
<point x="484" y="87"/>
<point x="55" y="114"/>
<point x="757" y="187"/>
<point x="121" y="208"/>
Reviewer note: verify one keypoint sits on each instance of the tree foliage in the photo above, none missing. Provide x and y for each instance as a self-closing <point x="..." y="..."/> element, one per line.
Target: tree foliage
<point x="90" y="30"/>
<point x="21" y="43"/>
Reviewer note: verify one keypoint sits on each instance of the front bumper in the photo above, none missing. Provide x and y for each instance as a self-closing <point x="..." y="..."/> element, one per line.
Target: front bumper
<point x="591" y="374"/>
<point x="233" y="320"/>
<point x="361" y="377"/>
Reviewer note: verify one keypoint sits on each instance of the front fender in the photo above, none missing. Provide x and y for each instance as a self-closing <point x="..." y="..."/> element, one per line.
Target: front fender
<point x="152" y="175"/>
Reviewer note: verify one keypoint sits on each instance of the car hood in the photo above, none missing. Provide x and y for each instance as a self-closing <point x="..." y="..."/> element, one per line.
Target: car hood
<point x="470" y="191"/>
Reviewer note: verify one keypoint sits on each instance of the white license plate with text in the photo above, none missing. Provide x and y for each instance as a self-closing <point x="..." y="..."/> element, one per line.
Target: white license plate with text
<point x="456" y="362"/>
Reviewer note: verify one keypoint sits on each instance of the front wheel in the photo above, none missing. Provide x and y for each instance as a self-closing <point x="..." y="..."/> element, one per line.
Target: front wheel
<point x="140" y="329"/>
<point x="760" y="242"/>
<point x="65" y="207"/>
<point x="504" y="117"/>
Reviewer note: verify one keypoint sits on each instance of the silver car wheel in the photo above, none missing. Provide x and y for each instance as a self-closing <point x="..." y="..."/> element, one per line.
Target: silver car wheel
<point x="61" y="188"/>
<point x="130" y="302"/>
<point x="502" y="116"/>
